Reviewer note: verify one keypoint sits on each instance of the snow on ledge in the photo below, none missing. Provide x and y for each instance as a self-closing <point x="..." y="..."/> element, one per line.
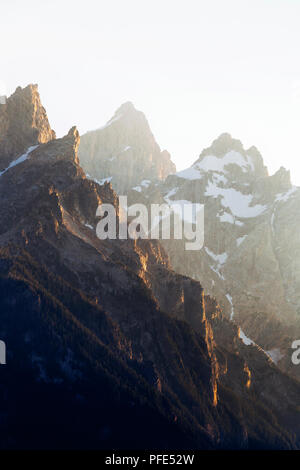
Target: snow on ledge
<point x="245" y="338"/>
<point x="275" y="355"/>
<point x="20" y="159"/>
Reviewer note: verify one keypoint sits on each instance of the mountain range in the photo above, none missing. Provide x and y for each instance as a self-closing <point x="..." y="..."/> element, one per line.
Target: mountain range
<point x="250" y="262"/>
<point x="136" y="343"/>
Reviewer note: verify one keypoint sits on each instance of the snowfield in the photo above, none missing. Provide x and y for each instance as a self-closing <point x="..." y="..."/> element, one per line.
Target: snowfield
<point x="237" y="202"/>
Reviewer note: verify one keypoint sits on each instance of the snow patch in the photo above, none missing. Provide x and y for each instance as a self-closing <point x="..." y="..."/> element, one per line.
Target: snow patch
<point x="100" y="182"/>
<point x="283" y="197"/>
<point x="213" y="163"/>
<point x="240" y="240"/>
<point x="220" y="260"/>
<point x="189" y="174"/>
<point x="275" y="355"/>
<point x="245" y="338"/>
<point x="171" y="193"/>
<point x="19" y="160"/>
<point x="217" y="272"/>
<point x="104" y="180"/>
<point x="217" y="178"/>
<point x="237" y="202"/>
<point x="143" y="184"/>
<point x="229" y="298"/>
<point x="226" y="217"/>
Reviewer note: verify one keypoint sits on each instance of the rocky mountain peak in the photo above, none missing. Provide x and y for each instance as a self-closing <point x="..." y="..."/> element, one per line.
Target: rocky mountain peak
<point x="124" y="151"/>
<point x="130" y="120"/>
<point x="232" y="155"/>
<point x="126" y="107"/>
<point x="65" y="149"/>
<point x="74" y="134"/>
<point x="23" y="123"/>
<point x="284" y="176"/>
<point x="222" y="145"/>
<point x="280" y="182"/>
<point x="257" y="160"/>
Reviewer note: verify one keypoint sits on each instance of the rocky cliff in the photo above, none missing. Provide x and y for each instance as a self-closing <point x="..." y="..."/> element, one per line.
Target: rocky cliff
<point x="23" y="122"/>
<point x="124" y="152"/>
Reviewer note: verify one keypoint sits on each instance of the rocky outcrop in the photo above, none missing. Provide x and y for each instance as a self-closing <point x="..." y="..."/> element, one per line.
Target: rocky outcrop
<point x="23" y="123"/>
<point x="124" y="152"/>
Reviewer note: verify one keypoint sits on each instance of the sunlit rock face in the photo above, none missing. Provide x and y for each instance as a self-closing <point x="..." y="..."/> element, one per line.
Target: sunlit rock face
<point x="251" y="258"/>
<point x="124" y="152"/>
<point x="23" y="123"/>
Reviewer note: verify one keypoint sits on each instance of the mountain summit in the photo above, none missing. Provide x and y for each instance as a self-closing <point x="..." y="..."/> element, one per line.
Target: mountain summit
<point x="124" y="151"/>
<point x="23" y="123"/>
<point x="227" y="145"/>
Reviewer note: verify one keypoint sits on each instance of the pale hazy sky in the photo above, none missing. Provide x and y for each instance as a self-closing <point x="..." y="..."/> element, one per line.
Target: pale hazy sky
<point x="196" y="68"/>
